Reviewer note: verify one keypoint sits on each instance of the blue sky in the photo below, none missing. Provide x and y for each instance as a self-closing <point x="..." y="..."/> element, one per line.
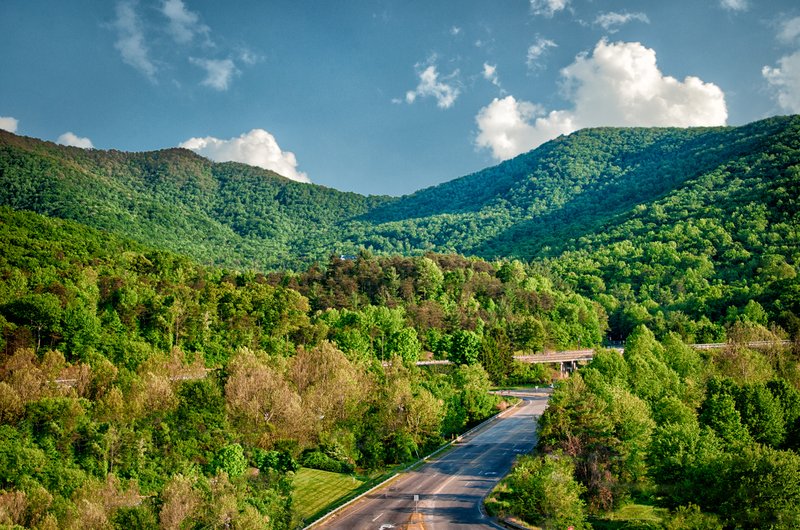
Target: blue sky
<point x="385" y="96"/>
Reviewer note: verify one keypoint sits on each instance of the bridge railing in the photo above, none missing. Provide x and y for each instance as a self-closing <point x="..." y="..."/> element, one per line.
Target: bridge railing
<point x="567" y="356"/>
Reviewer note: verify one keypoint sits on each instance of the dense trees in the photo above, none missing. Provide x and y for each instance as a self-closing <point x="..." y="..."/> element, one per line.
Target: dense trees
<point x="684" y="230"/>
<point x="137" y="388"/>
<point x="661" y="425"/>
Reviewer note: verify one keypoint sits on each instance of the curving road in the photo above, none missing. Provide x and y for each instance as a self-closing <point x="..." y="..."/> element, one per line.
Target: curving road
<point x="450" y="489"/>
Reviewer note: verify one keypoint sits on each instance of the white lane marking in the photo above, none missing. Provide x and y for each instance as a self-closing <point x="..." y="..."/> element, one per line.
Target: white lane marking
<point x="378" y="517"/>
<point x="445" y="483"/>
<point x="385" y="526"/>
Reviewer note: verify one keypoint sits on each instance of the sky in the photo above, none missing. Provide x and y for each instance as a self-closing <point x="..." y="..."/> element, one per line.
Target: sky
<point x="385" y="96"/>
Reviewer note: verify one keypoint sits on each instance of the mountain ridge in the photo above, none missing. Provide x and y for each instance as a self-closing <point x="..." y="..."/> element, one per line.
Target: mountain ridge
<point x="245" y="217"/>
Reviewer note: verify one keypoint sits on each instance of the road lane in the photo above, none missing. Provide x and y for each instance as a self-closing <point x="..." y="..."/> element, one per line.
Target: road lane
<point x="450" y="488"/>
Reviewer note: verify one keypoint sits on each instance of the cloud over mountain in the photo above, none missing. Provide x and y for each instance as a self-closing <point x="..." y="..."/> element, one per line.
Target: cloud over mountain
<point x="72" y="139"/>
<point x="785" y="80"/>
<point x="619" y="84"/>
<point x="219" y="72"/>
<point x="256" y="148"/>
<point x="131" y="42"/>
<point x="7" y="123"/>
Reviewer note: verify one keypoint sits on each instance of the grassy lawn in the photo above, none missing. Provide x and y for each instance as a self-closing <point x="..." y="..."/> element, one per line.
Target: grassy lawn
<point x="631" y="516"/>
<point x="315" y="489"/>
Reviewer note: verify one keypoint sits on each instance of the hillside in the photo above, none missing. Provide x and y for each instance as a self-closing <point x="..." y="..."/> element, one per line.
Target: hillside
<point x="228" y="214"/>
<point x="539" y="203"/>
<point x="682" y="229"/>
<point x="137" y="387"/>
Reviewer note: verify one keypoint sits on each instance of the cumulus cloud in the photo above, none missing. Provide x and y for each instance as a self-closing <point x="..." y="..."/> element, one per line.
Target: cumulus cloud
<point x="130" y="40"/>
<point x="7" y="123"/>
<point x="70" y="138"/>
<point x="790" y="30"/>
<point x="256" y="148"/>
<point x="734" y="5"/>
<point x="785" y="80"/>
<point x="548" y="8"/>
<point x="455" y="30"/>
<point x="219" y="72"/>
<point x="510" y="127"/>
<point x="183" y="24"/>
<point x="610" y="21"/>
<point x="537" y="49"/>
<point x="618" y="85"/>
<point x="430" y="86"/>
<point x="490" y="74"/>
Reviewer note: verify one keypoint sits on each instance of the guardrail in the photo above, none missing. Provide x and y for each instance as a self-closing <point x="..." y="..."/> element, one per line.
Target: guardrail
<point x="566" y="356"/>
<point x="751" y="344"/>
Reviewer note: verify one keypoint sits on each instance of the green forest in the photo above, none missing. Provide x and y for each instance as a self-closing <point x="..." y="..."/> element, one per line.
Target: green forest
<point x="180" y="337"/>
<point x="139" y="389"/>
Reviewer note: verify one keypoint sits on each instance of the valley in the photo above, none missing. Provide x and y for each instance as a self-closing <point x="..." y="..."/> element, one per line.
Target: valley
<point x="180" y="337"/>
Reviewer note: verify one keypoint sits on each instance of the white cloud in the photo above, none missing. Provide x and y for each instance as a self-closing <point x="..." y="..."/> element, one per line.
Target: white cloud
<point x="618" y="85"/>
<point x="249" y="57"/>
<point x="490" y="74"/>
<point x="785" y="79"/>
<point x="7" y="123"/>
<point x="183" y="24"/>
<point x="218" y="72"/>
<point x="790" y="30"/>
<point x="548" y="8"/>
<point x="130" y="40"/>
<point x="70" y="138"/>
<point x="610" y="21"/>
<point x="430" y="85"/>
<point x="510" y="127"/>
<point x="455" y="30"/>
<point x="734" y="5"/>
<point x="256" y="148"/>
<point x="537" y="49"/>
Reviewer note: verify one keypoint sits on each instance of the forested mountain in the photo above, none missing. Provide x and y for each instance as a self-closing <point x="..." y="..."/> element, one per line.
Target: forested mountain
<point x="680" y="229"/>
<point x="538" y="203"/>
<point x="229" y="214"/>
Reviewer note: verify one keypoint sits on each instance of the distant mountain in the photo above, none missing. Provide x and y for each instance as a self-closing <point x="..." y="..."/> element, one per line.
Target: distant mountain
<point x="541" y="201"/>
<point x="538" y="204"/>
<point x="228" y="214"/>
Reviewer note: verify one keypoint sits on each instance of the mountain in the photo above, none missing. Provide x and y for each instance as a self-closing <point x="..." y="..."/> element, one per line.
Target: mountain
<point x="228" y="214"/>
<point x="569" y="187"/>
<point x="541" y="203"/>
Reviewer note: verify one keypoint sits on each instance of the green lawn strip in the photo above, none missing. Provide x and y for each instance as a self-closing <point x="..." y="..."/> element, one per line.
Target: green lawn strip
<point x="631" y="516"/>
<point x="316" y="490"/>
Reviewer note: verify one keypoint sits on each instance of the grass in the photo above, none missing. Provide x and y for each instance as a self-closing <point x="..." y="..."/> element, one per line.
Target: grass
<point x="314" y="490"/>
<point x="631" y="516"/>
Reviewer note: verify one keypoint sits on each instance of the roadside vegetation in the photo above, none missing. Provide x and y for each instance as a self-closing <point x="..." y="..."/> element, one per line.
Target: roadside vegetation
<point x="665" y="436"/>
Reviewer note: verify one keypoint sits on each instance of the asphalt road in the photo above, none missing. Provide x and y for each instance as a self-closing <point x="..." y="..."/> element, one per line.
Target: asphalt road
<point x="450" y="488"/>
